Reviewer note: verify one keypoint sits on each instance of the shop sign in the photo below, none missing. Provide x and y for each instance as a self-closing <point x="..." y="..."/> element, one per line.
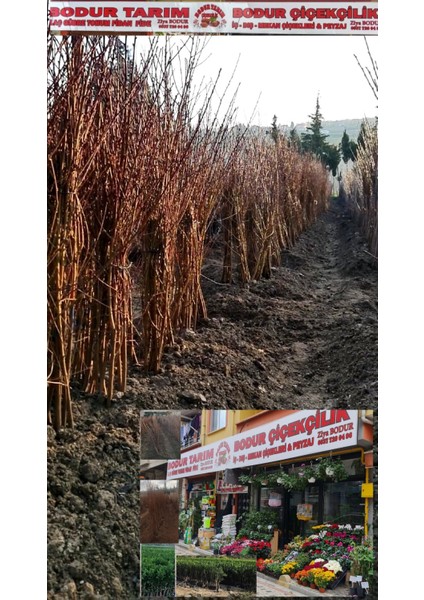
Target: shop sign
<point x="304" y="512"/>
<point x="299" y="434"/>
<point x="231" y="488"/>
<point x="137" y="18"/>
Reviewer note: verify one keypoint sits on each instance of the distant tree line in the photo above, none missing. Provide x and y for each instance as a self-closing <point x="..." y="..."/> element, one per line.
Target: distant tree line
<point x="314" y="141"/>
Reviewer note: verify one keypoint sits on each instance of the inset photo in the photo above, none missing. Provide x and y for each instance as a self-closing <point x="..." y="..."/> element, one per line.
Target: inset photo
<point x="160" y="434"/>
<point x="157" y="568"/>
<point x="286" y="493"/>
<point x="218" y="577"/>
<point x="159" y="510"/>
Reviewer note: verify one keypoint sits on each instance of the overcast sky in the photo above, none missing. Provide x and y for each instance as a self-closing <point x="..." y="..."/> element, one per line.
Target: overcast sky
<point x="286" y="73"/>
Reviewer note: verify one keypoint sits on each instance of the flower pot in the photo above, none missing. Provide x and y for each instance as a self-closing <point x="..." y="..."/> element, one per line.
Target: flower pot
<point x="322" y="590"/>
<point x="313" y="586"/>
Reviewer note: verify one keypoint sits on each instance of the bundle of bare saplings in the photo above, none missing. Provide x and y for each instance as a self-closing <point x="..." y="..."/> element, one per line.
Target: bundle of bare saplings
<point x="138" y="165"/>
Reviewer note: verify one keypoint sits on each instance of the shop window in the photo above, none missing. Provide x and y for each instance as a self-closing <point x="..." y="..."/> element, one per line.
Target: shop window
<point x="218" y="419"/>
<point x="190" y="431"/>
<point x="343" y="503"/>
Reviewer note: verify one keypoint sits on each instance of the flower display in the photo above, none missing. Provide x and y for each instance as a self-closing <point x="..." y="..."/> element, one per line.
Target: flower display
<point x="246" y="547"/>
<point x="333" y="565"/>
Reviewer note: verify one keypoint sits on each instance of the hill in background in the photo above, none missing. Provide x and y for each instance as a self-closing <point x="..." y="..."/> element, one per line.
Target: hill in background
<point x="335" y="129"/>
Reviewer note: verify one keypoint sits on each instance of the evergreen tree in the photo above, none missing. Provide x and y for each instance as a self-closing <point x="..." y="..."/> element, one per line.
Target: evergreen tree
<point x="348" y="148"/>
<point x="314" y="140"/>
<point x="294" y="139"/>
<point x="332" y="158"/>
<point x="275" y="134"/>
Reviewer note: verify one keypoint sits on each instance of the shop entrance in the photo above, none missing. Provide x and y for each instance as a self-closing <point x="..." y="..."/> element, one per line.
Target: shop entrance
<point x="331" y="503"/>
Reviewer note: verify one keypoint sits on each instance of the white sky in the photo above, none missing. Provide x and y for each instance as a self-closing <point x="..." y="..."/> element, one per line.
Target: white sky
<point x="286" y="73"/>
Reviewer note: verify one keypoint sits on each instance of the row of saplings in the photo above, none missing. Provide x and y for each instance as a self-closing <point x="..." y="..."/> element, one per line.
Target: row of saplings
<point x="212" y="572"/>
<point x="329" y="556"/>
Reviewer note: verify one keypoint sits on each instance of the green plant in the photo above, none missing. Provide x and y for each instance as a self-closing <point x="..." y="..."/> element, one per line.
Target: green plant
<point x="330" y="469"/>
<point x="302" y="559"/>
<point x="258" y="524"/>
<point x="362" y="557"/>
<point x="274" y="568"/>
<point x="281" y="555"/>
<point x="326" y="469"/>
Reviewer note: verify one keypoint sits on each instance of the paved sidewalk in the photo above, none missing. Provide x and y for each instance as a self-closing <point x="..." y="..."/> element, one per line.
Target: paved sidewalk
<point x="267" y="586"/>
<point x="182" y="549"/>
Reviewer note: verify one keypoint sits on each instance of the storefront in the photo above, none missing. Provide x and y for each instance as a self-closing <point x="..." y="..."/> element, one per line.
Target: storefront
<point x="320" y="502"/>
<point x="308" y="467"/>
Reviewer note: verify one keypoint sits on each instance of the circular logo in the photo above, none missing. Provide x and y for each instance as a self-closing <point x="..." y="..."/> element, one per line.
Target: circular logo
<point x="222" y="456"/>
<point x="209" y="16"/>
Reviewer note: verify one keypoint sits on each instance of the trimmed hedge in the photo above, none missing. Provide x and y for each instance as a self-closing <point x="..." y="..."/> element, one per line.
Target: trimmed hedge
<point x="211" y="572"/>
<point x="158" y="570"/>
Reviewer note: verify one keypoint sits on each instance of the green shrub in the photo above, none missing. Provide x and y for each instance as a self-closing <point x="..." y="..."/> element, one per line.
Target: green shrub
<point x="157" y="570"/>
<point x="255" y="524"/>
<point x="302" y="559"/>
<point x="362" y="558"/>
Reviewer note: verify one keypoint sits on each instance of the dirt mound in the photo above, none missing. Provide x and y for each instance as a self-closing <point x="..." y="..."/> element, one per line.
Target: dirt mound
<point x="306" y="338"/>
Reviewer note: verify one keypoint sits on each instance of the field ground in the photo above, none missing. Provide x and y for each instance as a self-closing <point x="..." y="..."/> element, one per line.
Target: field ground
<point x="307" y="338"/>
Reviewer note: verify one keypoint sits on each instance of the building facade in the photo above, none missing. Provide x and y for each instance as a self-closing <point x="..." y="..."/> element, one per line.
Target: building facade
<point x="234" y="461"/>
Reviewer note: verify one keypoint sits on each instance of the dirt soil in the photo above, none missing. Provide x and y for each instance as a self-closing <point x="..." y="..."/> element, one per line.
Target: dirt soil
<point x="224" y="592"/>
<point x="306" y="338"/>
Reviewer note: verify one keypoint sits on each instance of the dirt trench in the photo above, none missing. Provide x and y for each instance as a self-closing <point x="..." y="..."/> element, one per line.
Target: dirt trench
<point x="306" y="338"/>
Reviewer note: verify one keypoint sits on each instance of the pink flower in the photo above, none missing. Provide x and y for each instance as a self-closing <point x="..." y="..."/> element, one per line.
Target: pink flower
<point x="340" y="544"/>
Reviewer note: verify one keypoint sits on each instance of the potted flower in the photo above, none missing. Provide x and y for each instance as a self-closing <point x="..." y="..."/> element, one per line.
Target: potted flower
<point x="312" y="573"/>
<point x="289" y="568"/>
<point x="301" y="577"/>
<point x="330" y="468"/>
<point x="323" y="579"/>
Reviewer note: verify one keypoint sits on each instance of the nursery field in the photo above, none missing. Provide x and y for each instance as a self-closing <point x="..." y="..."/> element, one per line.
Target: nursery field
<point x="157" y="571"/>
<point x="159" y="509"/>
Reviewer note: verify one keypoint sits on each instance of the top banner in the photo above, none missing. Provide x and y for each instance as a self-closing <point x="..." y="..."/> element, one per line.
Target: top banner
<point x="137" y="18"/>
<point x="301" y="433"/>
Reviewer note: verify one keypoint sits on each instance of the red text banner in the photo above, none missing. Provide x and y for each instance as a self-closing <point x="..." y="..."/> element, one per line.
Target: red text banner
<point x="136" y="18"/>
<point x="299" y="434"/>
